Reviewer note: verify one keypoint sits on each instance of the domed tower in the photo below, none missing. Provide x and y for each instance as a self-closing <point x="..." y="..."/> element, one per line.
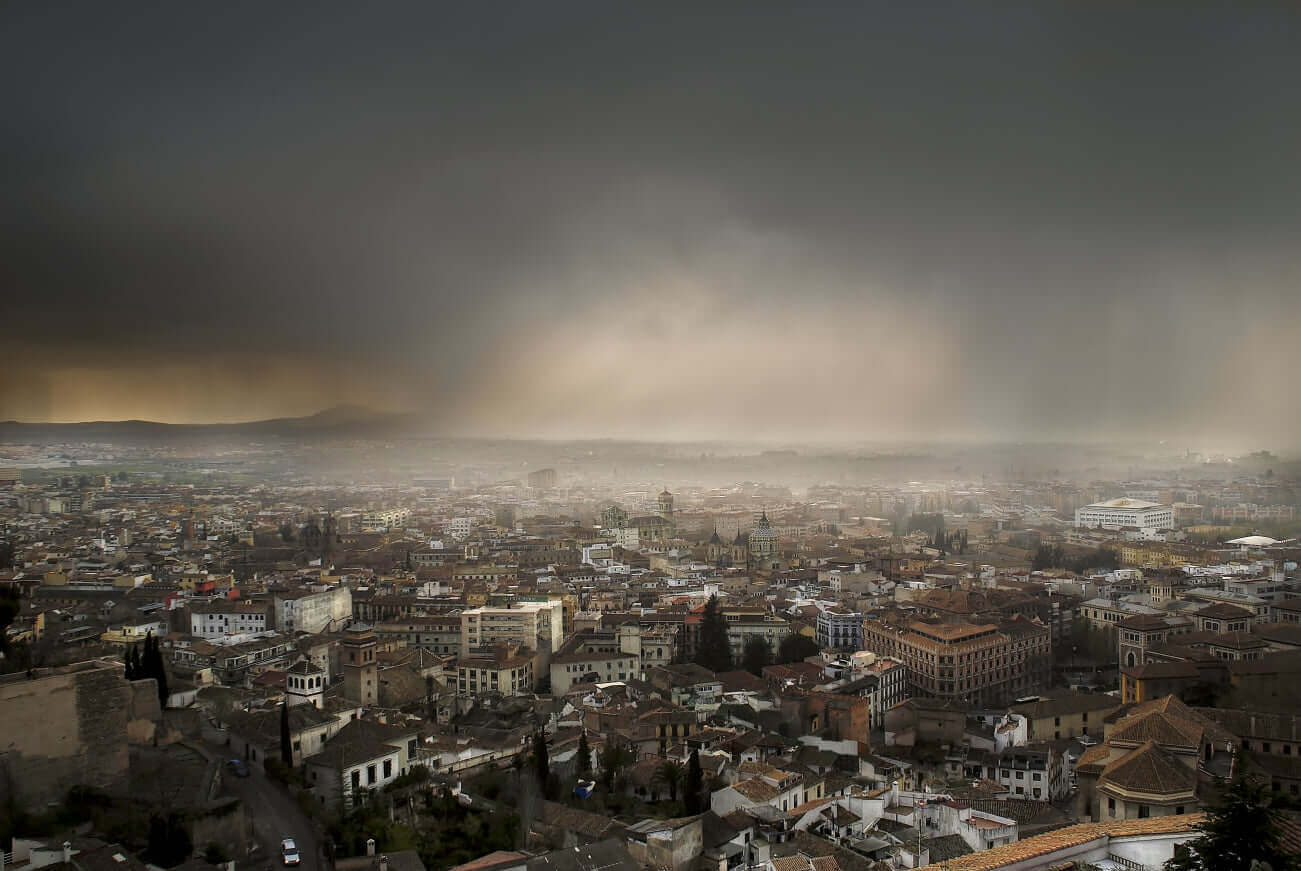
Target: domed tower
<point x="763" y="543"/>
<point x="664" y="505"/>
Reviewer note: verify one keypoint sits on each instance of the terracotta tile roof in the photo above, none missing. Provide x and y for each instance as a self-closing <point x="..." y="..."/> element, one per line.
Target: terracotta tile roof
<point x="802" y="809"/>
<point x="1150" y="770"/>
<point x="1071" y="836"/>
<point x="756" y="790"/>
<point x="495" y="858"/>
<point x="1289" y="833"/>
<point x="1170" y="722"/>
<point x="802" y="862"/>
<point x="1093" y="759"/>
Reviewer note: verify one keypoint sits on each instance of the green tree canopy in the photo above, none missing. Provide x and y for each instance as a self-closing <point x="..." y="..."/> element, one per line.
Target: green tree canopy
<point x="757" y="654"/>
<point x="1240" y="829"/>
<point x="714" y="651"/>
<point x="796" y="648"/>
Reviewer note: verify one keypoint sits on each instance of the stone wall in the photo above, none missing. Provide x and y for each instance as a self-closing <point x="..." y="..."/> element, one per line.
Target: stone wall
<point x="143" y="712"/>
<point x="63" y="727"/>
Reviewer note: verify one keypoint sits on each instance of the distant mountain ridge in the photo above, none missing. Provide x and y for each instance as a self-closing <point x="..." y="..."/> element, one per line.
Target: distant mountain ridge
<point x="339" y="421"/>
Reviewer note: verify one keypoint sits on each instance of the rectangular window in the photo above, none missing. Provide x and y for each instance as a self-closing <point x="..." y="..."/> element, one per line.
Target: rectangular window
<point x="1142" y="812"/>
<point x="370" y="774"/>
<point x="1111" y="807"/>
<point x="388" y="768"/>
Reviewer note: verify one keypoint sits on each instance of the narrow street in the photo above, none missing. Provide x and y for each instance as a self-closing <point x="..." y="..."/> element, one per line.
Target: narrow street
<point x="275" y="814"/>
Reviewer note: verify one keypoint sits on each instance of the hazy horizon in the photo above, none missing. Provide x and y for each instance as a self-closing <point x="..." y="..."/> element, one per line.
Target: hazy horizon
<point x="1064" y="224"/>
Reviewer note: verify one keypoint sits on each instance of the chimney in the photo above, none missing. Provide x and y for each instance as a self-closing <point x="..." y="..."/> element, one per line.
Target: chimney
<point x="370" y="846"/>
<point x="67" y="851"/>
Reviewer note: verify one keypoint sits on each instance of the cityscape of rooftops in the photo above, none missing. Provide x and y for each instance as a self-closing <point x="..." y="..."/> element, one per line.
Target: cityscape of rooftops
<point x="681" y="437"/>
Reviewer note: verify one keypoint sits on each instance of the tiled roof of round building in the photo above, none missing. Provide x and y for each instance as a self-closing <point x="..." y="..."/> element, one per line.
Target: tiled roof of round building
<point x="1152" y="771"/>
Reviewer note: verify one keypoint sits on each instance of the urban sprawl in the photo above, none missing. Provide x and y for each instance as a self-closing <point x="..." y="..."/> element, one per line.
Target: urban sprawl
<point x="557" y="670"/>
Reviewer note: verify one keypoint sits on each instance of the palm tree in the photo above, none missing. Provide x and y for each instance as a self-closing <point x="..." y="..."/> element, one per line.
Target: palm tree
<point x="668" y="774"/>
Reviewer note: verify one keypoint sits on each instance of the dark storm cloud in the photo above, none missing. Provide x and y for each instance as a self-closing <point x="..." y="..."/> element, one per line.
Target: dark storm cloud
<point x="565" y="218"/>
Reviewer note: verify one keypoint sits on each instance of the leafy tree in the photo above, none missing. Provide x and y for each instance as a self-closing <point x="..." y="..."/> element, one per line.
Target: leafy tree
<point x="1047" y="557"/>
<point x="1240" y="830"/>
<point x="669" y="775"/>
<point x="286" y="747"/>
<point x="695" y="784"/>
<point x="796" y="648"/>
<point x="583" y="758"/>
<point x="714" y="651"/>
<point x="757" y="654"/>
<point x="287" y="532"/>
<point x="614" y="756"/>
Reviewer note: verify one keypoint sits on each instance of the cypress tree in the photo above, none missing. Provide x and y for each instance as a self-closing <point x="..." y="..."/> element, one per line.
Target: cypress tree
<point x="695" y="784"/>
<point x="541" y="764"/>
<point x="286" y="748"/>
<point x="583" y="758"/>
<point x="152" y="666"/>
<point x="1240" y="831"/>
<point x="714" y="651"/>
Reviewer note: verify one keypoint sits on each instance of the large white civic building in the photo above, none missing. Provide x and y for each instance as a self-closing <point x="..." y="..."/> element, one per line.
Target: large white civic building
<point x="1120" y="513"/>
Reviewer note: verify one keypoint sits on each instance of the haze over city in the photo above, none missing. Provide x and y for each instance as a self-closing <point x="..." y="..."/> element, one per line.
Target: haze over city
<point x="586" y="220"/>
<point x="590" y="436"/>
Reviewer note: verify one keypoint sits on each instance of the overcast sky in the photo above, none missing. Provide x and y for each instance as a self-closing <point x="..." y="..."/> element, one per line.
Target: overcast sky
<point x="575" y="219"/>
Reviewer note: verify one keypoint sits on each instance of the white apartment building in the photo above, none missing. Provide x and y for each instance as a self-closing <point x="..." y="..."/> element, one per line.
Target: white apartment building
<point x="459" y="527"/>
<point x="1119" y="513"/>
<point x="539" y="626"/>
<point x="221" y="618"/>
<point x="386" y="518"/>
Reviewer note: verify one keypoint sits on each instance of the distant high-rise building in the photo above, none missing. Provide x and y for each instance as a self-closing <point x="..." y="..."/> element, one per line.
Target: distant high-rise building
<point x="542" y="479"/>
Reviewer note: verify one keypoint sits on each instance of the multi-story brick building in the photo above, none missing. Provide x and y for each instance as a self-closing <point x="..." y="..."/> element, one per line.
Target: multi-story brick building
<point x="983" y="664"/>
